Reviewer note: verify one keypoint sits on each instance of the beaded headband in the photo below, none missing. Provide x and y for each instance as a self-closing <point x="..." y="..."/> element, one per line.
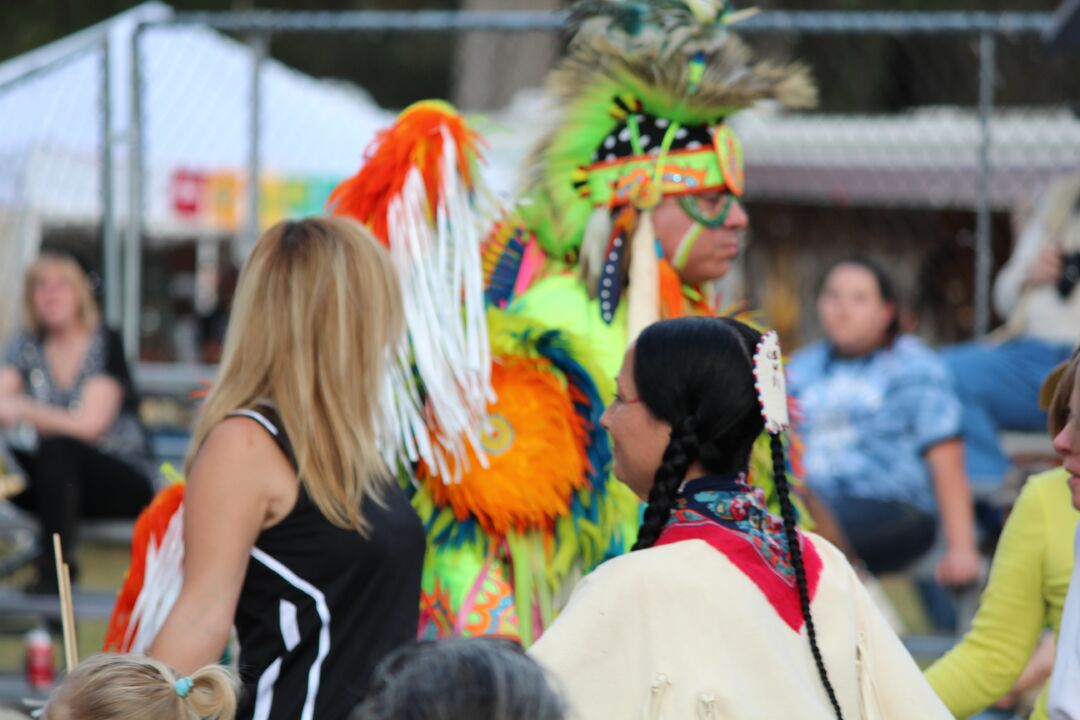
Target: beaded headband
<point x="647" y="157"/>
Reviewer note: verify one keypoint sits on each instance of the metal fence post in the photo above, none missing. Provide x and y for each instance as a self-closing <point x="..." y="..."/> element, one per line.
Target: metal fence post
<point x="984" y="253"/>
<point x="133" y="253"/>
<point x="109" y="240"/>
<point x="260" y="45"/>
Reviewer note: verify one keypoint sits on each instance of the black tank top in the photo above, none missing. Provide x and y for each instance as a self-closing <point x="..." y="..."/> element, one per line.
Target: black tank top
<point x="320" y="605"/>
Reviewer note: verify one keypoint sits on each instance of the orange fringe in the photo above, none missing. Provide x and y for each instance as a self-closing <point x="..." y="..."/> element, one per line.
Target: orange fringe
<point x="152" y="523"/>
<point x="414" y="141"/>
<point x="671" y="293"/>
<point x="536" y="459"/>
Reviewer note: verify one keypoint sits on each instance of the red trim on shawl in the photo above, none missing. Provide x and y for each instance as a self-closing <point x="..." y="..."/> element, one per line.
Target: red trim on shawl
<point x="782" y="596"/>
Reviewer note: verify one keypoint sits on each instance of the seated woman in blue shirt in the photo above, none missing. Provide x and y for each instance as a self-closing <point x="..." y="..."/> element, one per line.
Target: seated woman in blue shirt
<point x="881" y="428"/>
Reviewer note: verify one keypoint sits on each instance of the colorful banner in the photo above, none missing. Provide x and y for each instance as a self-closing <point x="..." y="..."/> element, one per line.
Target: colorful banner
<point x="218" y="199"/>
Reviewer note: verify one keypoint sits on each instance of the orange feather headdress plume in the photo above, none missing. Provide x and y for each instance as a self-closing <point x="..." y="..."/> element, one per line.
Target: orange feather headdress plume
<point x="420" y="192"/>
<point x="415" y="141"/>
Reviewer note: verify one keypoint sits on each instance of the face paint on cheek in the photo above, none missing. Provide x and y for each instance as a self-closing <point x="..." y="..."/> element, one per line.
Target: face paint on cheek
<point x="686" y="245"/>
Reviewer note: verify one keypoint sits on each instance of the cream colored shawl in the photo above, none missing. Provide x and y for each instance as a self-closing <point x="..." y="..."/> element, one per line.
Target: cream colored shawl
<point x="680" y="632"/>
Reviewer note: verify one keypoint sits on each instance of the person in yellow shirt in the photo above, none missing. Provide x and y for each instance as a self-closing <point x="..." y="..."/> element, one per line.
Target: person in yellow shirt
<point x="1064" y="695"/>
<point x="1028" y="582"/>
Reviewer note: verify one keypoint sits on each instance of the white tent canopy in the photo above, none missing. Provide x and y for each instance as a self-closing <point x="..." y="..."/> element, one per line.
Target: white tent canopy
<point x="196" y="125"/>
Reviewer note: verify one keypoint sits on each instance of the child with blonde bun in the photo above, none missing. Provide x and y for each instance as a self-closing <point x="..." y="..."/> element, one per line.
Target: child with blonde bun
<point x="135" y="687"/>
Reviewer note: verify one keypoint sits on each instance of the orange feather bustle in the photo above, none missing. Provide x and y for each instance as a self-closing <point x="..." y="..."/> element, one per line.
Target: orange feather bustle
<point x="152" y="524"/>
<point x="416" y="140"/>
<point x="533" y="485"/>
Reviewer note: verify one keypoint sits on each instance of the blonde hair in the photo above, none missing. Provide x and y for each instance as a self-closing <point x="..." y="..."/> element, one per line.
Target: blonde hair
<point x="316" y="313"/>
<point x="89" y="316"/>
<point x="134" y="687"/>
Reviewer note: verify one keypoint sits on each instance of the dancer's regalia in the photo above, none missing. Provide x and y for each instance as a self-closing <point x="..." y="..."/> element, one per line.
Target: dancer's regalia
<point x="571" y="275"/>
<point x="500" y="430"/>
<point x="642" y="101"/>
<point x="495" y="414"/>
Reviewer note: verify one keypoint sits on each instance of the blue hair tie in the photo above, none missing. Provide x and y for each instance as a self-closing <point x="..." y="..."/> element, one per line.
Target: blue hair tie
<point x="183" y="686"/>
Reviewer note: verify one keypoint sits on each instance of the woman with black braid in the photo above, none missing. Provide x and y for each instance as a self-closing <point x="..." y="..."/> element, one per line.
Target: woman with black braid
<point x="724" y="610"/>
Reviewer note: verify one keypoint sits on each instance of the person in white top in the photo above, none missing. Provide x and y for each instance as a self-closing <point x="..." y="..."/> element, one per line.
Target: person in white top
<point x="1064" y="701"/>
<point x="998" y="382"/>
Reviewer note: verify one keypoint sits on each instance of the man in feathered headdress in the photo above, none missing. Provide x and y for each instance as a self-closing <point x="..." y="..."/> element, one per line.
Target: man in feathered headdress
<point x="631" y="204"/>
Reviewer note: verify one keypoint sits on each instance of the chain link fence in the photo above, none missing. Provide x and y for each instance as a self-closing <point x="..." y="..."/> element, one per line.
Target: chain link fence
<point x="53" y="132"/>
<point x="935" y="134"/>
<point x="929" y="157"/>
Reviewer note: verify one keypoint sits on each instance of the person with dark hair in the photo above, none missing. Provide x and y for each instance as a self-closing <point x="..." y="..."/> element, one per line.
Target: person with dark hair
<point x="474" y="678"/>
<point x="723" y="610"/>
<point x="881" y="428"/>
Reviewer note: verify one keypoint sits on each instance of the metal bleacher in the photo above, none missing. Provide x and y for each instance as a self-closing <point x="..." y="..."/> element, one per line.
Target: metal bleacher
<point x="21" y="611"/>
<point x="89" y="604"/>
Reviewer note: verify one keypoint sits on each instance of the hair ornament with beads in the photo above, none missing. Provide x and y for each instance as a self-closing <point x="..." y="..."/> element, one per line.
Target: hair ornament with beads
<point x="183" y="686"/>
<point x="770" y="383"/>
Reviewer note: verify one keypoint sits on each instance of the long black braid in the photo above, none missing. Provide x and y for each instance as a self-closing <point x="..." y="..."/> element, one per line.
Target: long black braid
<point x="787" y="512"/>
<point x="680" y="453"/>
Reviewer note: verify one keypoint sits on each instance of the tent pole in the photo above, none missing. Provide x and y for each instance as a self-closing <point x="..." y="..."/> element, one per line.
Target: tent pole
<point x="109" y="239"/>
<point x="260" y="45"/>
<point x="133" y="253"/>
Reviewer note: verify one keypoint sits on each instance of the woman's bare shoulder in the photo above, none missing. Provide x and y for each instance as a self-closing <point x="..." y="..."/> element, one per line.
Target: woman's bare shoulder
<point x="241" y="451"/>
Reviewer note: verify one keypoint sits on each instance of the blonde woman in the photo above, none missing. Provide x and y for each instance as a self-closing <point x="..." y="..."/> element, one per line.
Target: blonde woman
<point x="71" y="411"/>
<point x="130" y="687"/>
<point x="294" y="530"/>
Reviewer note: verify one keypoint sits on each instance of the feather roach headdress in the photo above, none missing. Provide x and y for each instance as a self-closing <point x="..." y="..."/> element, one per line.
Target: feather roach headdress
<point x="643" y="97"/>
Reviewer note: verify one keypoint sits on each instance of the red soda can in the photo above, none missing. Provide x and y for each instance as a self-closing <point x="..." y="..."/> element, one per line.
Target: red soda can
<point x="39" y="659"/>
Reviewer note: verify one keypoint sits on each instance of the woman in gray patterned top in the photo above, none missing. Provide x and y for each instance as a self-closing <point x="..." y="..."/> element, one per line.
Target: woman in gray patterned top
<point x="69" y="410"/>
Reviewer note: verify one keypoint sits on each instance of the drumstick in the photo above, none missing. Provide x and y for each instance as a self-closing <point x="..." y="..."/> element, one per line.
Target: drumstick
<point x="71" y="645"/>
<point x="67" y="607"/>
